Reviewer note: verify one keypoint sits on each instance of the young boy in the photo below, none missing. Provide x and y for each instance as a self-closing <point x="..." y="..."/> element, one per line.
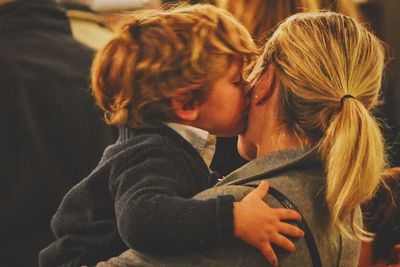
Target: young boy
<point x="168" y="80"/>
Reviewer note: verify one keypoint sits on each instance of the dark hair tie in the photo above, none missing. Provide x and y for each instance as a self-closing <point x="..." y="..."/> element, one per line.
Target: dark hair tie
<point x="344" y="98"/>
<point x="134" y="29"/>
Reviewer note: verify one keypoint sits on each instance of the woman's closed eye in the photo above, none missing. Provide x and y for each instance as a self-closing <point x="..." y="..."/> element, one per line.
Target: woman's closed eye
<point x="238" y="83"/>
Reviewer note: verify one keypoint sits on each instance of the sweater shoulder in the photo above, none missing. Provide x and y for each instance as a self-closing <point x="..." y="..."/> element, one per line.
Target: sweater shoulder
<point x="136" y="142"/>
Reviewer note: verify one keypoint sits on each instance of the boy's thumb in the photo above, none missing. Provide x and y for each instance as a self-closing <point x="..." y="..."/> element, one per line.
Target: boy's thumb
<point x="262" y="189"/>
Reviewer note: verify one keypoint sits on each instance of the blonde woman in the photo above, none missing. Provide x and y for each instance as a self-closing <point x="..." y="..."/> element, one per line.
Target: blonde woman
<point x="311" y="134"/>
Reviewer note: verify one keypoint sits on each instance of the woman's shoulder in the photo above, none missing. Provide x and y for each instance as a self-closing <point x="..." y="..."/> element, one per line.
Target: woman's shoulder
<point x="306" y="190"/>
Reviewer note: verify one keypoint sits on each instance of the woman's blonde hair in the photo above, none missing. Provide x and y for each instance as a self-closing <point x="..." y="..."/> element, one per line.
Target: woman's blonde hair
<point x="329" y="71"/>
<point x="155" y="54"/>
<point x="261" y="16"/>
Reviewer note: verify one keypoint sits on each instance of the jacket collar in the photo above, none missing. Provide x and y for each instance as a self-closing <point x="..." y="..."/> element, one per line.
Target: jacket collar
<point x="269" y="165"/>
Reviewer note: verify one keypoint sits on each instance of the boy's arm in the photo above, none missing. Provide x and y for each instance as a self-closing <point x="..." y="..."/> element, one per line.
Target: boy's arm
<point x="153" y="208"/>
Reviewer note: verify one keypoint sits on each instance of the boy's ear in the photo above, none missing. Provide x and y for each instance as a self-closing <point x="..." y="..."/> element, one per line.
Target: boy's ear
<point x="265" y="85"/>
<point x="184" y="106"/>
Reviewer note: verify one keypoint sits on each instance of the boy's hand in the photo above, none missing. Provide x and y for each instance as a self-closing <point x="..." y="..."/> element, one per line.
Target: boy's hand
<point x="259" y="225"/>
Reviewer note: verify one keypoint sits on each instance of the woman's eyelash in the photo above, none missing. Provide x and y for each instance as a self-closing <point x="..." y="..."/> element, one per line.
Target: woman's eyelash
<point x="238" y="81"/>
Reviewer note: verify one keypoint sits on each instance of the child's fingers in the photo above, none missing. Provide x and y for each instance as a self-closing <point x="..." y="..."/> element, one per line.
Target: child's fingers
<point x="283" y="242"/>
<point x="287" y="214"/>
<point x="291" y="230"/>
<point x="262" y="190"/>
<point x="269" y="254"/>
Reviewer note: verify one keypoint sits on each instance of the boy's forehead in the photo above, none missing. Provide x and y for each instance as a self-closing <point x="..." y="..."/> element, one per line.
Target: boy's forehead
<point x="222" y="64"/>
<point x="236" y="66"/>
<point x="231" y="70"/>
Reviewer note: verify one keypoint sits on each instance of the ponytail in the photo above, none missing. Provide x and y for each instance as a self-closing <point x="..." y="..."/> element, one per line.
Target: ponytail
<point x="354" y="156"/>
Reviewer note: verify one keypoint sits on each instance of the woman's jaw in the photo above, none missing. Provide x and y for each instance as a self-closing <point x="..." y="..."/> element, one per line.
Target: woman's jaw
<point x="246" y="149"/>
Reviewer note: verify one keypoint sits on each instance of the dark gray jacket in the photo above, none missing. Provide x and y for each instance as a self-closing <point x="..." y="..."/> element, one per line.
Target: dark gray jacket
<point x="298" y="174"/>
<point x="139" y="196"/>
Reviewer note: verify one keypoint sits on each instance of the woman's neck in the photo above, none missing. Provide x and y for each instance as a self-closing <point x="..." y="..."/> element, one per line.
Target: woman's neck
<point x="277" y="139"/>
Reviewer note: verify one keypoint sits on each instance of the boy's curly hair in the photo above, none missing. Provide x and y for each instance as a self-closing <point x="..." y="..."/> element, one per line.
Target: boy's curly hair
<point x="155" y="54"/>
